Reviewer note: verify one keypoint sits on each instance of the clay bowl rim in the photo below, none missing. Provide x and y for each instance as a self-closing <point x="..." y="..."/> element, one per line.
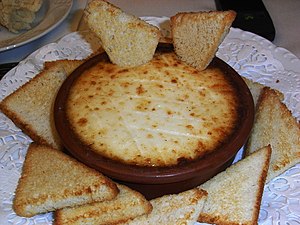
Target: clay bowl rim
<point x="155" y="175"/>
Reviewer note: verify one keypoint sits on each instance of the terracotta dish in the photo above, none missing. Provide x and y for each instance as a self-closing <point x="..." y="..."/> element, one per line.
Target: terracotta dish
<point x="155" y="180"/>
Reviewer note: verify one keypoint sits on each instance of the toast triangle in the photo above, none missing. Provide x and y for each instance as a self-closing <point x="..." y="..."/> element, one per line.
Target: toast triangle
<point x="127" y="40"/>
<point x="182" y="208"/>
<point x="234" y="195"/>
<point x="127" y="205"/>
<point x="255" y="89"/>
<point x="275" y="125"/>
<point x="30" y="107"/>
<point x="51" y="180"/>
<point x="197" y="35"/>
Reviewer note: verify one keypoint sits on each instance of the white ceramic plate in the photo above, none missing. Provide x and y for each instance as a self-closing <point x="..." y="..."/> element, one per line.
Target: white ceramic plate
<point x="51" y="14"/>
<point x="252" y="56"/>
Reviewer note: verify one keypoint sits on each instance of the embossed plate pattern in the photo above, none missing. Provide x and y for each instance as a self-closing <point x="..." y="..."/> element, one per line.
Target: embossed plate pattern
<point x="250" y="55"/>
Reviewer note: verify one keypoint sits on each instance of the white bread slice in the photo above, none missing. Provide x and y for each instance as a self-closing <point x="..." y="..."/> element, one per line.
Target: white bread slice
<point x="255" y="89"/>
<point x="182" y="208"/>
<point x="197" y="35"/>
<point x="127" y="205"/>
<point x="51" y="180"/>
<point x="30" y="107"/>
<point x="234" y="195"/>
<point x="128" y="40"/>
<point x="275" y="125"/>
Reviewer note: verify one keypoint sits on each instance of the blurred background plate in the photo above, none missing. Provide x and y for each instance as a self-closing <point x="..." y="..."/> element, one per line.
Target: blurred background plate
<point x="46" y="20"/>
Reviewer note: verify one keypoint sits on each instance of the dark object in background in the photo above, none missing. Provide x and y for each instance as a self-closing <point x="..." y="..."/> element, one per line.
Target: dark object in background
<point x="252" y="16"/>
<point x="4" y="68"/>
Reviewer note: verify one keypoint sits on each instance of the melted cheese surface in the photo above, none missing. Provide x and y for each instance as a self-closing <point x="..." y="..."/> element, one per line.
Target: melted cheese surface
<point x="158" y="114"/>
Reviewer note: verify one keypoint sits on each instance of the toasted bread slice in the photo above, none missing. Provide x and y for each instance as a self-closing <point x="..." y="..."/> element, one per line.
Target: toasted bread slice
<point x="31" y="106"/>
<point x="128" y="40"/>
<point x="255" y="89"/>
<point x="275" y="125"/>
<point x="127" y="205"/>
<point x="197" y="35"/>
<point x="52" y="180"/>
<point x="182" y="208"/>
<point x="234" y="195"/>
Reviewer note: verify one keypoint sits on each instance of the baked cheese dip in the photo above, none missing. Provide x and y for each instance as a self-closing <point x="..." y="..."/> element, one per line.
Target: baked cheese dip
<point x="162" y="113"/>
